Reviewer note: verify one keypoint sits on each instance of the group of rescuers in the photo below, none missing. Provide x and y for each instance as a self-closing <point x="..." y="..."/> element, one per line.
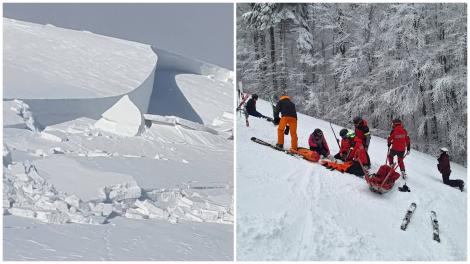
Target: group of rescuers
<point x="354" y="145"/>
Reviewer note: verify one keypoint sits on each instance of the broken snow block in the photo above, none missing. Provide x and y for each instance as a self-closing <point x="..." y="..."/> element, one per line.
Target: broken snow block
<point x="135" y="214"/>
<point x="101" y="209"/>
<point x="45" y="204"/>
<point x="103" y="193"/>
<point x="151" y="210"/>
<point x="183" y="201"/>
<point x="23" y="212"/>
<point x="78" y="218"/>
<point x="192" y="217"/>
<point x="6" y="156"/>
<point x="17" y="168"/>
<point x="227" y="217"/>
<point x="61" y="206"/>
<point x="123" y="118"/>
<point x="128" y="190"/>
<point x="73" y="200"/>
<point x="96" y="220"/>
<point x="209" y="215"/>
<point x="53" y="217"/>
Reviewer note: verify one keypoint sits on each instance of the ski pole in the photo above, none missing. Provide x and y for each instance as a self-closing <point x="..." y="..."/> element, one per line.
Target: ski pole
<point x="337" y="140"/>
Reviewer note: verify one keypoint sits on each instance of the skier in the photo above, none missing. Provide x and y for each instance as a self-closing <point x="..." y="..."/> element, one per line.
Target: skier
<point x="251" y="108"/>
<point x="289" y="117"/>
<point x="444" y="168"/>
<point x="317" y="142"/>
<point x="400" y="142"/>
<point x="357" y="154"/>
<point x="362" y="131"/>
<point x="343" y="151"/>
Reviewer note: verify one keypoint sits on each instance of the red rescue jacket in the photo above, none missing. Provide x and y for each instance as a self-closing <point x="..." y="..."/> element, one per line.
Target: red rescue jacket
<point x="362" y="131"/>
<point x="399" y="138"/>
<point x="357" y="152"/>
<point x="344" y="146"/>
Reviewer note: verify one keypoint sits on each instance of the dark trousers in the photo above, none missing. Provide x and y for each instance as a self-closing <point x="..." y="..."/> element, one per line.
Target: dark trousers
<point x="400" y="155"/>
<point x="356" y="169"/>
<point x="320" y="151"/>
<point x="453" y="183"/>
<point x="338" y="156"/>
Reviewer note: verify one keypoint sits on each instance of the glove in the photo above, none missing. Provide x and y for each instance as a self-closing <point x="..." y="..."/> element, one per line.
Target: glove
<point x="286" y="130"/>
<point x="276" y="120"/>
<point x="388" y="145"/>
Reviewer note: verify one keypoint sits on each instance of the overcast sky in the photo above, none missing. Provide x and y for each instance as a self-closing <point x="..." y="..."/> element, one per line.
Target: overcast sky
<point x="202" y="31"/>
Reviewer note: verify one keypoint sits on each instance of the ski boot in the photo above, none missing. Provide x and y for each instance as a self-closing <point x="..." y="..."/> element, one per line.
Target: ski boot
<point x="461" y="187"/>
<point x="279" y="146"/>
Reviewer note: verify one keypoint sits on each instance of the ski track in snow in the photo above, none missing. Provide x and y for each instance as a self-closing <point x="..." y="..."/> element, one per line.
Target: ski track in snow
<point x="290" y="209"/>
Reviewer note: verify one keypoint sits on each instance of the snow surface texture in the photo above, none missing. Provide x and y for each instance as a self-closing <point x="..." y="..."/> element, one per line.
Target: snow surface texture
<point x="290" y="209"/>
<point x="88" y="175"/>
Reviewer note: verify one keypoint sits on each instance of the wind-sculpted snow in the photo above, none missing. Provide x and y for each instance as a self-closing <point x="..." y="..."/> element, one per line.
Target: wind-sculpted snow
<point x="46" y="62"/>
<point x="64" y="74"/>
<point x="291" y="209"/>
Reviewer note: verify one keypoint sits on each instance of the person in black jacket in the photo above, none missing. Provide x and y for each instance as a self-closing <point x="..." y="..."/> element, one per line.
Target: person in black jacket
<point x="251" y="108"/>
<point x="444" y="168"/>
<point x="289" y="117"/>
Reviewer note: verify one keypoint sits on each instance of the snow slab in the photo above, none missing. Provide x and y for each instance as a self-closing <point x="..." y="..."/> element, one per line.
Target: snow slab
<point x="291" y="209"/>
<point x="123" y="118"/>
<point x="63" y="63"/>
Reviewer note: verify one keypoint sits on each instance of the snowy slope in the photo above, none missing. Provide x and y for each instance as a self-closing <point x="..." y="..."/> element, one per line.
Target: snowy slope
<point x="89" y="175"/>
<point x="290" y="209"/>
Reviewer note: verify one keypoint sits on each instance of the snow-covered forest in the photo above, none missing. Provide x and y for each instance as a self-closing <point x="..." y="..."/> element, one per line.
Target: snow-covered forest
<point x="380" y="61"/>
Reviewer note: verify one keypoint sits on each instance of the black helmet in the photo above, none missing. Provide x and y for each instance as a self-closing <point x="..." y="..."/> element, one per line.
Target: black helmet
<point x="357" y="119"/>
<point x="254" y="96"/>
<point x="318" y="132"/>
<point x="343" y="132"/>
<point x="396" y="121"/>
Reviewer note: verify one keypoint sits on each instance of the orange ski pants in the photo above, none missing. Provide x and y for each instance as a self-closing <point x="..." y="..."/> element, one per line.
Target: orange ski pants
<point x="292" y="122"/>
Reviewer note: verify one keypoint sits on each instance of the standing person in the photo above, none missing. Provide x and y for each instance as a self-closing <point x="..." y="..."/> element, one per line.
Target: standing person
<point x="251" y="108"/>
<point x="289" y="117"/>
<point x="400" y="141"/>
<point x="344" y="148"/>
<point x="317" y="142"/>
<point x="362" y="131"/>
<point x="444" y="168"/>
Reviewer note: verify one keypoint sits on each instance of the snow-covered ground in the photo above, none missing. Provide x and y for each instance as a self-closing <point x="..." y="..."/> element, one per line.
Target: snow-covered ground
<point x="290" y="209"/>
<point x="89" y="174"/>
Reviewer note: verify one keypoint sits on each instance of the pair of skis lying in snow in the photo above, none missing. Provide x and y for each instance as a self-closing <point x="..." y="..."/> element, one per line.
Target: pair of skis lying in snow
<point x="407" y="219"/>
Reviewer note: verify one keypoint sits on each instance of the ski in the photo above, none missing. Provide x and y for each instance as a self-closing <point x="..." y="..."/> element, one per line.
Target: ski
<point x="407" y="218"/>
<point x="435" y="227"/>
<point x="264" y="143"/>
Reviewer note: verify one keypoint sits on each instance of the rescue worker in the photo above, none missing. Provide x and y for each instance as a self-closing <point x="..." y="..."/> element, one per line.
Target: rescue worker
<point x="362" y="131"/>
<point x="289" y="117"/>
<point x="399" y="142"/>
